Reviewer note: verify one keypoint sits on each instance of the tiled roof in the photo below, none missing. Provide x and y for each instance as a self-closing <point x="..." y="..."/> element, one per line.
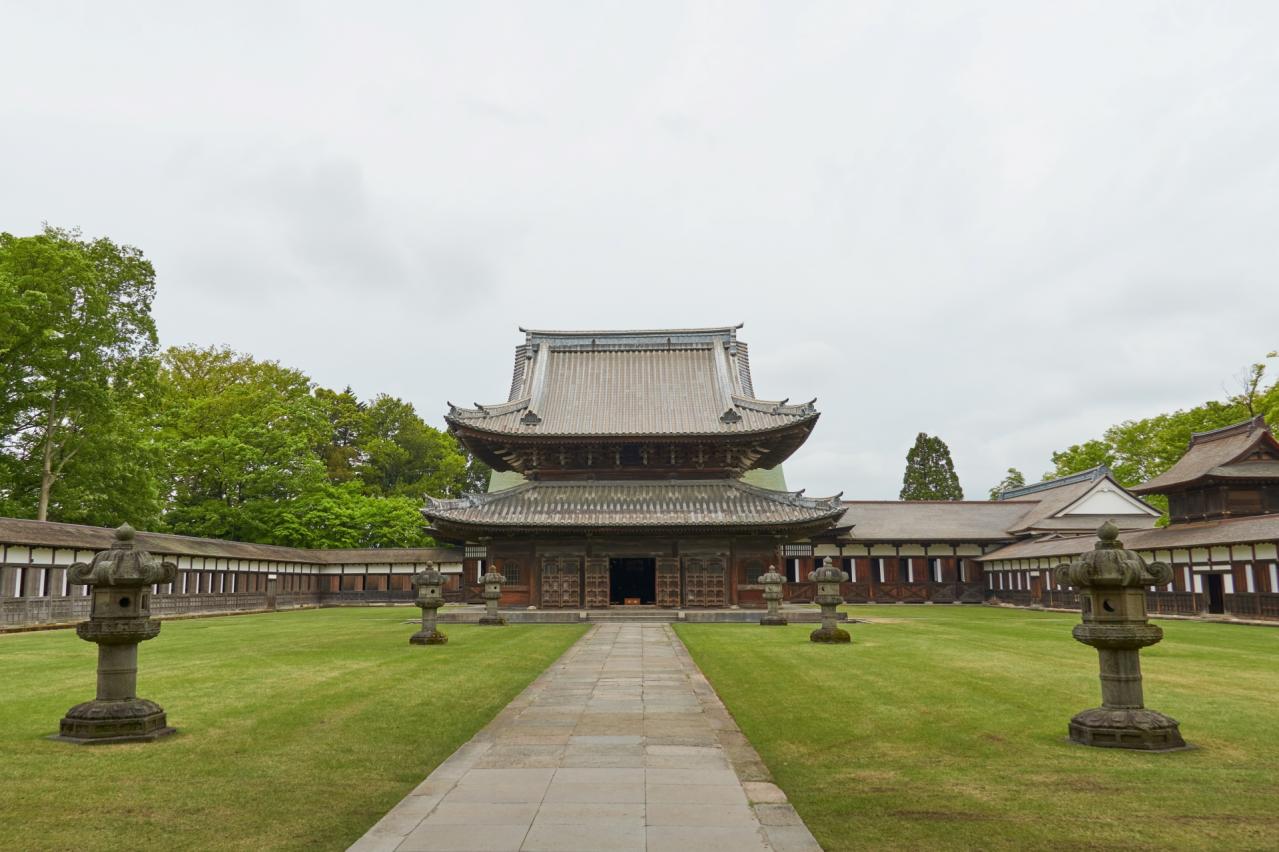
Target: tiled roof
<point x="51" y="534"/>
<point x="1210" y="451"/>
<point x="623" y="383"/>
<point x="614" y="504"/>
<point x="931" y="520"/>
<point x="1257" y="528"/>
<point x="1025" y="491"/>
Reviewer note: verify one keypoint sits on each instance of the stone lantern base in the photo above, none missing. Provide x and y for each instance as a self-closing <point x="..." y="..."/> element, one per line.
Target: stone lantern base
<point x="773" y="620"/>
<point x="830" y="635"/>
<point x="1139" y="728"/>
<point x="121" y="721"/>
<point x="492" y="620"/>
<point x="432" y="637"/>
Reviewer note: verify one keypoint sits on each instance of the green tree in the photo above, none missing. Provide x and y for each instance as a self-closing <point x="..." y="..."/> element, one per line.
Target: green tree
<point x="76" y="335"/>
<point x="1013" y="479"/>
<point x="406" y="457"/>
<point x="341" y="449"/>
<point x="930" y="472"/>
<point x="239" y="439"/>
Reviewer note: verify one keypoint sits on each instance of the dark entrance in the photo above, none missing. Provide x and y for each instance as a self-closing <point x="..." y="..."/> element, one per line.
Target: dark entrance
<point x="1216" y="594"/>
<point x="632" y="578"/>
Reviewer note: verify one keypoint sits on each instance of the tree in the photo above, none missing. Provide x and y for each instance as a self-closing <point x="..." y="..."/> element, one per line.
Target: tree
<point x="76" y="335"/>
<point x="1139" y="450"/>
<point x="930" y="473"/>
<point x="341" y="450"/>
<point x="240" y="439"/>
<point x="406" y="457"/>
<point x="1013" y="479"/>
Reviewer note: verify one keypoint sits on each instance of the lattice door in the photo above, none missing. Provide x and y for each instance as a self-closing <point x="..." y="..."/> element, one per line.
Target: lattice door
<point x="596" y="583"/>
<point x="552" y="585"/>
<point x="668" y="583"/>
<point x="706" y="586"/>
<point x="571" y="582"/>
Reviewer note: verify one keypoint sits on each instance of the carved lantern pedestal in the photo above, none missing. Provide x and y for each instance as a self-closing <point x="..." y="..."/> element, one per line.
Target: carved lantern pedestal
<point x="492" y="594"/>
<point x="828" y="578"/>
<point x="429" y="598"/>
<point x="119" y="618"/>
<point x="772" y="583"/>
<point x="1113" y="582"/>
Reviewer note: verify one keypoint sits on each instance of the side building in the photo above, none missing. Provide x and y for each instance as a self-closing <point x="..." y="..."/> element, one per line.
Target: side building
<point x="1222" y="540"/>
<point x="213" y="575"/>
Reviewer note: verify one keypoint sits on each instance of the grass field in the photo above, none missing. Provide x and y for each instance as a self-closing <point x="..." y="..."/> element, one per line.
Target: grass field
<point x="297" y="730"/>
<point x="944" y="727"/>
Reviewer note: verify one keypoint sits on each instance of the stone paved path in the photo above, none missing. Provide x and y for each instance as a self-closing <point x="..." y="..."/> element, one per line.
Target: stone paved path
<point x="620" y="745"/>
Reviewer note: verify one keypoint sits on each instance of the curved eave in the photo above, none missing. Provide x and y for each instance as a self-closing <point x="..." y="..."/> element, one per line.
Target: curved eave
<point x="466" y="531"/>
<point x="786" y="438"/>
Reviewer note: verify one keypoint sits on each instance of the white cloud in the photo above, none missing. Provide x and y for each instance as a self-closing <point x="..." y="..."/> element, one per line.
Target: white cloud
<point x="1010" y="224"/>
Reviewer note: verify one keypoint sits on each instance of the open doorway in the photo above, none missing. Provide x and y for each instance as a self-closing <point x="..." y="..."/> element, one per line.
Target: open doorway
<point x="632" y="579"/>
<point x="1216" y="593"/>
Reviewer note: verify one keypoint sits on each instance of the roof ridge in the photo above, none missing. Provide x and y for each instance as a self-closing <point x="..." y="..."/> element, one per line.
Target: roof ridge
<point x="1091" y="474"/>
<point x="1245" y="426"/>
<point x="618" y="332"/>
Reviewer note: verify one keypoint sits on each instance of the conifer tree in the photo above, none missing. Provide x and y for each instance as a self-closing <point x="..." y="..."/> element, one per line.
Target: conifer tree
<point x="930" y="473"/>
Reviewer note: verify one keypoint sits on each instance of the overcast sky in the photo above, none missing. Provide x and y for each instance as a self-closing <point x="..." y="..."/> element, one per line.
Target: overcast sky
<point x="1008" y="224"/>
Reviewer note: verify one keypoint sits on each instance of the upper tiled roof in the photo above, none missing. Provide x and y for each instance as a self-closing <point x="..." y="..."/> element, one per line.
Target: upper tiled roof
<point x="1210" y="454"/>
<point x="662" y="382"/>
<point x="21" y="531"/>
<point x="666" y="503"/>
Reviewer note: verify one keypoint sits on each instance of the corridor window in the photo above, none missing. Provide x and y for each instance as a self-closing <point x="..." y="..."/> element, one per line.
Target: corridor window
<point x="850" y="567"/>
<point x="934" y="567"/>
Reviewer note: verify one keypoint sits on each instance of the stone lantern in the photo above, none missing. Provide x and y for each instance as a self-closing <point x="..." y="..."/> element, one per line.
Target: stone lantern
<point x="828" y="578"/>
<point x="492" y="594"/>
<point x="119" y="618"/>
<point x="429" y="598"/>
<point x="772" y="583"/>
<point x="1113" y="582"/>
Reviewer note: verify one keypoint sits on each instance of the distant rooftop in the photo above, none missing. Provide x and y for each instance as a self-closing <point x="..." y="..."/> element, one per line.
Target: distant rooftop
<point x="1090" y="475"/>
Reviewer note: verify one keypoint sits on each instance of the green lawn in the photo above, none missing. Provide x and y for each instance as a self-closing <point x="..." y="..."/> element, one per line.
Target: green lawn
<point x="944" y="727"/>
<point x="297" y="730"/>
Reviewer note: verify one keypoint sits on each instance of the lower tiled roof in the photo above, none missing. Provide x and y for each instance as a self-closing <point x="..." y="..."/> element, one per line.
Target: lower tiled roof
<point x="1257" y="528"/>
<point x="668" y="503"/>
<point x="21" y="531"/>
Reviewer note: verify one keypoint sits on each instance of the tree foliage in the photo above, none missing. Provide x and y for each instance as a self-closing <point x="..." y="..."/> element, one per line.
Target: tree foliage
<point x="76" y="363"/>
<point x="97" y="428"/>
<point x="257" y="453"/>
<point x="1013" y="479"/>
<point x="1139" y="450"/>
<point x="930" y="472"/>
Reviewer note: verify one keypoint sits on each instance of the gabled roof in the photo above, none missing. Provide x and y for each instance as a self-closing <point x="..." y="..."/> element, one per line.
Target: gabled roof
<point x="1243" y="450"/>
<point x="722" y="503"/>
<point x="662" y="382"/>
<point x="1072" y="503"/>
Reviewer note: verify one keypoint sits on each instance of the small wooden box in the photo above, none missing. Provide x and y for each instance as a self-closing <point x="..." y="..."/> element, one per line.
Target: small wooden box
<point x="631" y="601"/>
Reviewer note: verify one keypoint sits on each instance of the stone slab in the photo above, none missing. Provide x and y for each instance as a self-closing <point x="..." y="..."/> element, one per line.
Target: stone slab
<point x="621" y="744"/>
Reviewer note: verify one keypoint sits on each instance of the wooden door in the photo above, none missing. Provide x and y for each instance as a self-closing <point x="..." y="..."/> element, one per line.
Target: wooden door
<point x="706" y="583"/>
<point x="552" y="590"/>
<point x="668" y="583"/>
<point x="596" y="583"/>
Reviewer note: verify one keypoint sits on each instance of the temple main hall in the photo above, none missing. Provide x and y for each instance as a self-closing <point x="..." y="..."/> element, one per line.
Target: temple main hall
<point x="632" y="467"/>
